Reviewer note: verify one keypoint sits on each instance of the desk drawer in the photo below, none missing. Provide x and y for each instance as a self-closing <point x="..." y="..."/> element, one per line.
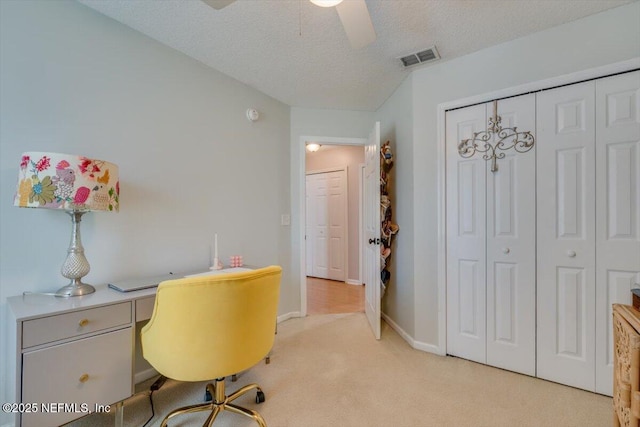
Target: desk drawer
<point x="69" y="325"/>
<point x="144" y="308"/>
<point x="81" y="374"/>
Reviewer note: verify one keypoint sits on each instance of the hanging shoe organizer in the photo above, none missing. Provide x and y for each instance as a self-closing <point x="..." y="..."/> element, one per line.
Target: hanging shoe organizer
<point x="387" y="228"/>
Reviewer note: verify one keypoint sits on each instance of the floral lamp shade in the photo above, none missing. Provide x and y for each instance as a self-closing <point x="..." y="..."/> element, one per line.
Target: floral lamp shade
<point x="69" y="182"/>
<point x="76" y="185"/>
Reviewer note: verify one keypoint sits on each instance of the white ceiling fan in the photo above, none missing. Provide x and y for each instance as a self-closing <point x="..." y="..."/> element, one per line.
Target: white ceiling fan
<point x="353" y="14"/>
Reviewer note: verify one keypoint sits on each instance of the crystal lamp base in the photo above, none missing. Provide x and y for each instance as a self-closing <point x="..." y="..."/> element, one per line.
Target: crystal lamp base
<point x="75" y="290"/>
<point x="76" y="266"/>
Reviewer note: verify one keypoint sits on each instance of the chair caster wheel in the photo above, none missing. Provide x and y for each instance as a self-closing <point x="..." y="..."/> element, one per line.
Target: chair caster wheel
<point x="259" y="396"/>
<point x="207" y="396"/>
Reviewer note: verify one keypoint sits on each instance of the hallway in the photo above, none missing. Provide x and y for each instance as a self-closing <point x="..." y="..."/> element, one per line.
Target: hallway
<point x="332" y="297"/>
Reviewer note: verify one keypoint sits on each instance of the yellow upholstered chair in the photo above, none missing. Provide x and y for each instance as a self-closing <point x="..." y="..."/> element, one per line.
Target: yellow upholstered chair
<point x="209" y="327"/>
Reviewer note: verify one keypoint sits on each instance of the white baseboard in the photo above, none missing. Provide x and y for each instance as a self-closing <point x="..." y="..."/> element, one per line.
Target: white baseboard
<point x="353" y="282"/>
<point x="288" y="316"/>
<point x="422" y="346"/>
<point x="429" y="348"/>
<point x="138" y="377"/>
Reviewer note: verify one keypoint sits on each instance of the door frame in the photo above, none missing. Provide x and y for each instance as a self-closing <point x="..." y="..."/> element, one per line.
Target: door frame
<point x="360" y="224"/>
<point x="537" y="86"/>
<point x="345" y="212"/>
<point x="303" y="140"/>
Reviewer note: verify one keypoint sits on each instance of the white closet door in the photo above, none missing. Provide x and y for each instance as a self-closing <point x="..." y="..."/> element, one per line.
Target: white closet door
<point x="326" y="225"/>
<point x="466" y="238"/>
<point x="318" y="223"/>
<point x="566" y="235"/>
<point x="337" y="222"/>
<point x="511" y="249"/>
<point x="617" y="209"/>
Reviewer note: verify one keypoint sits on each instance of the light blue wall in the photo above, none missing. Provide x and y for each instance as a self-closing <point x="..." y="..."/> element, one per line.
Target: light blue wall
<point x="191" y="164"/>
<point x="396" y="122"/>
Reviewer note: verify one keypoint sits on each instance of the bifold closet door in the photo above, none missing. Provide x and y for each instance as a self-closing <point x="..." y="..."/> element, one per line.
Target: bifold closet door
<point x="617" y="209"/>
<point x="511" y="249"/>
<point x="491" y="242"/>
<point x="539" y="250"/>
<point x="466" y="238"/>
<point x="566" y="235"/>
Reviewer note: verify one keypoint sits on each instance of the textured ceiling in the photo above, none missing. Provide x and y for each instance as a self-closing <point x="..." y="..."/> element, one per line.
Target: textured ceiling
<point x="299" y="54"/>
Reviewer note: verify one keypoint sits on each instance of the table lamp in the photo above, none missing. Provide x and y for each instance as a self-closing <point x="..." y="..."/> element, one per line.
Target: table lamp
<point x="77" y="185"/>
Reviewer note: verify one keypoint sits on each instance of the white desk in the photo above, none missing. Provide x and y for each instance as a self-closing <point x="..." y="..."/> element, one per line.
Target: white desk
<point x="78" y="351"/>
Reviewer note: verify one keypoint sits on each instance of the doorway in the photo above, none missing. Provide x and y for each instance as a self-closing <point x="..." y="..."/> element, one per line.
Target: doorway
<point x="333" y="206"/>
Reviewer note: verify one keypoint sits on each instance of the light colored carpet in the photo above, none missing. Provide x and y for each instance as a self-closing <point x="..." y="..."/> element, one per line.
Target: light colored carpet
<point x="328" y="370"/>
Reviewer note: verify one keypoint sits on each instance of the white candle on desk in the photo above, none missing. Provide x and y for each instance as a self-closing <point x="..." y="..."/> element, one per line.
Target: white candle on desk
<point x="215" y="263"/>
<point x="215" y="247"/>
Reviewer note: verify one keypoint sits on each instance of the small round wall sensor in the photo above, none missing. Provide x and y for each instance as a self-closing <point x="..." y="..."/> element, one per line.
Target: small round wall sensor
<point x="252" y="114"/>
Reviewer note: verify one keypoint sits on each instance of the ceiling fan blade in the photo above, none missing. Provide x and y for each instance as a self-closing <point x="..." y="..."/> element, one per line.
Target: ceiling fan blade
<point x="218" y="4"/>
<point x="356" y="22"/>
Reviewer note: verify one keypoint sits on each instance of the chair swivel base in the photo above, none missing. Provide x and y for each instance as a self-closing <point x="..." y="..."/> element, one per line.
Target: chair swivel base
<point x="221" y="402"/>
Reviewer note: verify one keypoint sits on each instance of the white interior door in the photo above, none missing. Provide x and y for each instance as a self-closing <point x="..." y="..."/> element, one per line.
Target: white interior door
<point x="466" y="238"/>
<point x="371" y="215"/>
<point x="327" y="225"/>
<point x="617" y="209"/>
<point x="511" y="246"/>
<point x="566" y="235"/>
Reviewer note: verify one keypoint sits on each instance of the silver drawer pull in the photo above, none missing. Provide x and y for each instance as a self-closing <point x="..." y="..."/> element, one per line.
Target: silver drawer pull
<point x="506" y="250"/>
<point x="83" y="322"/>
<point x="84" y="378"/>
<point x="571" y="254"/>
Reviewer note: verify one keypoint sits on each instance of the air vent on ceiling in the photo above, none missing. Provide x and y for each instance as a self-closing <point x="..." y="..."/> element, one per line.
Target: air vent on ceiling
<point x="430" y="54"/>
